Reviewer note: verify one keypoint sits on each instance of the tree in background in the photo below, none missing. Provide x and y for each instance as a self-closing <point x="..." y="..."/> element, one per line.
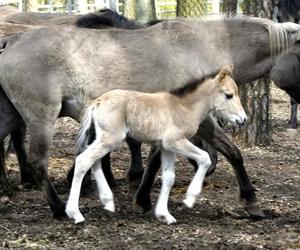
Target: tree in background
<point x="191" y="8"/>
<point x="255" y="96"/>
<point x="229" y="7"/>
<point x="145" y="10"/>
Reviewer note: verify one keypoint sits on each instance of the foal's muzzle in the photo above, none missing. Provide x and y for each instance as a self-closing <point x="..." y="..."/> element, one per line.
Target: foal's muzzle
<point x="241" y="122"/>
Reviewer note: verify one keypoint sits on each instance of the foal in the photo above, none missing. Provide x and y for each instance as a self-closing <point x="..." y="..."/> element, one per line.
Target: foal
<point x="164" y="119"/>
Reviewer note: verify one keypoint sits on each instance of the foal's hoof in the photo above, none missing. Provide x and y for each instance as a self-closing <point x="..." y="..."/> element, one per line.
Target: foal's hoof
<point x="189" y="201"/>
<point x="166" y="218"/>
<point x="254" y="211"/>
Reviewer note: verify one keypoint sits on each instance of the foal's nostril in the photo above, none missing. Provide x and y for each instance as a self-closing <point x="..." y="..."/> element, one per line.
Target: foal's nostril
<point x="241" y="122"/>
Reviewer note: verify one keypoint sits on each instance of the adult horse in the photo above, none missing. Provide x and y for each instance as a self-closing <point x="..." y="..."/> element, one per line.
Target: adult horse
<point x="289" y="11"/>
<point x="11" y="122"/>
<point x="68" y="67"/>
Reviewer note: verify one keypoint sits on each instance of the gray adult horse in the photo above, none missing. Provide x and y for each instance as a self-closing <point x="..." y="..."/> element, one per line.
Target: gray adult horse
<point x="67" y="67"/>
<point x="11" y="122"/>
<point x="289" y="11"/>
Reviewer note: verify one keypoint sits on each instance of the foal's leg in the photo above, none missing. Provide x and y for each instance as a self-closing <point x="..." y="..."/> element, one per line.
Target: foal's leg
<point x="168" y="178"/>
<point x="83" y="163"/>
<point x="211" y="132"/>
<point x="185" y="148"/>
<point x="212" y="155"/>
<point x="104" y="191"/>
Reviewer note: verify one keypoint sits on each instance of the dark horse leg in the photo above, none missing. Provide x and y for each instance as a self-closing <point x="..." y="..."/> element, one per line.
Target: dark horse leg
<point x="18" y="140"/>
<point x="4" y="184"/>
<point x="212" y="133"/>
<point x="136" y="169"/>
<point x="294" y="111"/>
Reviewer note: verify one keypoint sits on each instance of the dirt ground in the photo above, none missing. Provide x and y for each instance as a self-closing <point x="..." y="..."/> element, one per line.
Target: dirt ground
<point x="216" y="222"/>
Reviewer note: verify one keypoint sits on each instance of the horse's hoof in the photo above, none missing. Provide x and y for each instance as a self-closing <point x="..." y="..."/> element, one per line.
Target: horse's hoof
<point x="254" y="211"/>
<point x="59" y="211"/>
<point x="166" y="218"/>
<point x="189" y="201"/>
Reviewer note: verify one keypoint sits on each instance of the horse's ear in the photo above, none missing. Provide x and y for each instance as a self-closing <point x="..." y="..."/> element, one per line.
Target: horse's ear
<point x="225" y="71"/>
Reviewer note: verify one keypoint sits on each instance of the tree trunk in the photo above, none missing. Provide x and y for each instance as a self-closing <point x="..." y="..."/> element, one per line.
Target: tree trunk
<point x="145" y="10"/>
<point x="229" y="7"/>
<point x="188" y="8"/>
<point x="255" y="96"/>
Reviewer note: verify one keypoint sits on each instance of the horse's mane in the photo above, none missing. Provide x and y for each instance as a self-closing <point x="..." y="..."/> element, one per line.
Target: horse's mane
<point x="106" y="18"/>
<point x="190" y="86"/>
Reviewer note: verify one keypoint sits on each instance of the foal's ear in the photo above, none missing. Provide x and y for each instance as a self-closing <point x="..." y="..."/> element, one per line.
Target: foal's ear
<point x="226" y="71"/>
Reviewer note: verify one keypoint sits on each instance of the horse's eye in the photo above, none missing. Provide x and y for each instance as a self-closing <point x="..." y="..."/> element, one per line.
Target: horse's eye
<point x="229" y="96"/>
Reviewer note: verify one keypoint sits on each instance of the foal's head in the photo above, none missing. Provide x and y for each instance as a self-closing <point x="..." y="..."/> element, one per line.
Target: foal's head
<point x="227" y="102"/>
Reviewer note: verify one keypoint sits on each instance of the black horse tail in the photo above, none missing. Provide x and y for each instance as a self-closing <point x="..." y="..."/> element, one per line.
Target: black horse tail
<point x="87" y="133"/>
<point x="106" y="18"/>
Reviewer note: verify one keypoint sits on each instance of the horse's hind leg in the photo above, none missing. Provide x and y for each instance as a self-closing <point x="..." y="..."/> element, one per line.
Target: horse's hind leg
<point x="136" y="169"/>
<point x="39" y="145"/>
<point x="4" y="184"/>
<point x="168" y="178"/>
<point x="211" y="132"/>
<point x="18" y="139"/>
<point x="294" y="111"/>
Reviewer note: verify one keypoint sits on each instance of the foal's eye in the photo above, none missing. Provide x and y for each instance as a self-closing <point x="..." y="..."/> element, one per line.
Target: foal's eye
<point x="229" y="96"/>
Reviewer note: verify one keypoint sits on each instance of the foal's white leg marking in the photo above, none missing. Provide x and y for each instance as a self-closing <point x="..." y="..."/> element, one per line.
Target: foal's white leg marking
<point x="189" y="150"/>
<point x="83" y="163"/>
<point x="105" y="194"/>
<point x="168" y="178"/>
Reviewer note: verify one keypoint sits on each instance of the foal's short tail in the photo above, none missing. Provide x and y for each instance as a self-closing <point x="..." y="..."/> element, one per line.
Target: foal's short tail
<point x="87" y="132"/>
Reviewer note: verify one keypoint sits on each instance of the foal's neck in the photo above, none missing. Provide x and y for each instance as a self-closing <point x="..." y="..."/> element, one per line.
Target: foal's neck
<point x="201" y="97"/>
<point x="200" y="102"/>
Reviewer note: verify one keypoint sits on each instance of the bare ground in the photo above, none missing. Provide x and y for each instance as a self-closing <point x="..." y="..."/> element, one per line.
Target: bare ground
<point x="216" y="222"/>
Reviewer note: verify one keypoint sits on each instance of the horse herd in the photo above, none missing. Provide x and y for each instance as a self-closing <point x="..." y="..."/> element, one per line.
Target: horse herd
<point x="57" y="71"/>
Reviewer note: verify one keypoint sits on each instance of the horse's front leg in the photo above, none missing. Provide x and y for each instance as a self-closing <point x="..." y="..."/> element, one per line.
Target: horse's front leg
<point x="142" y="197"/>
<point x="211" y="132"/>
<point x="136" y="169"/>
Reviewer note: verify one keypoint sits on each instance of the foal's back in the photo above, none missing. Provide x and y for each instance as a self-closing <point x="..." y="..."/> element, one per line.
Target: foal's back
<point x="145" y="116"/>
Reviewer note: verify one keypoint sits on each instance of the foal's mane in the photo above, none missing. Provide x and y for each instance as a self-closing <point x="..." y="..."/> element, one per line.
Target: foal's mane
<point x="191" y="86"/>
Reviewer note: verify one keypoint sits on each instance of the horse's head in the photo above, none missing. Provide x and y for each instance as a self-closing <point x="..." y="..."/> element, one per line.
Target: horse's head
<point x="227" y="103"/>
<point x="288" y="11"/>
